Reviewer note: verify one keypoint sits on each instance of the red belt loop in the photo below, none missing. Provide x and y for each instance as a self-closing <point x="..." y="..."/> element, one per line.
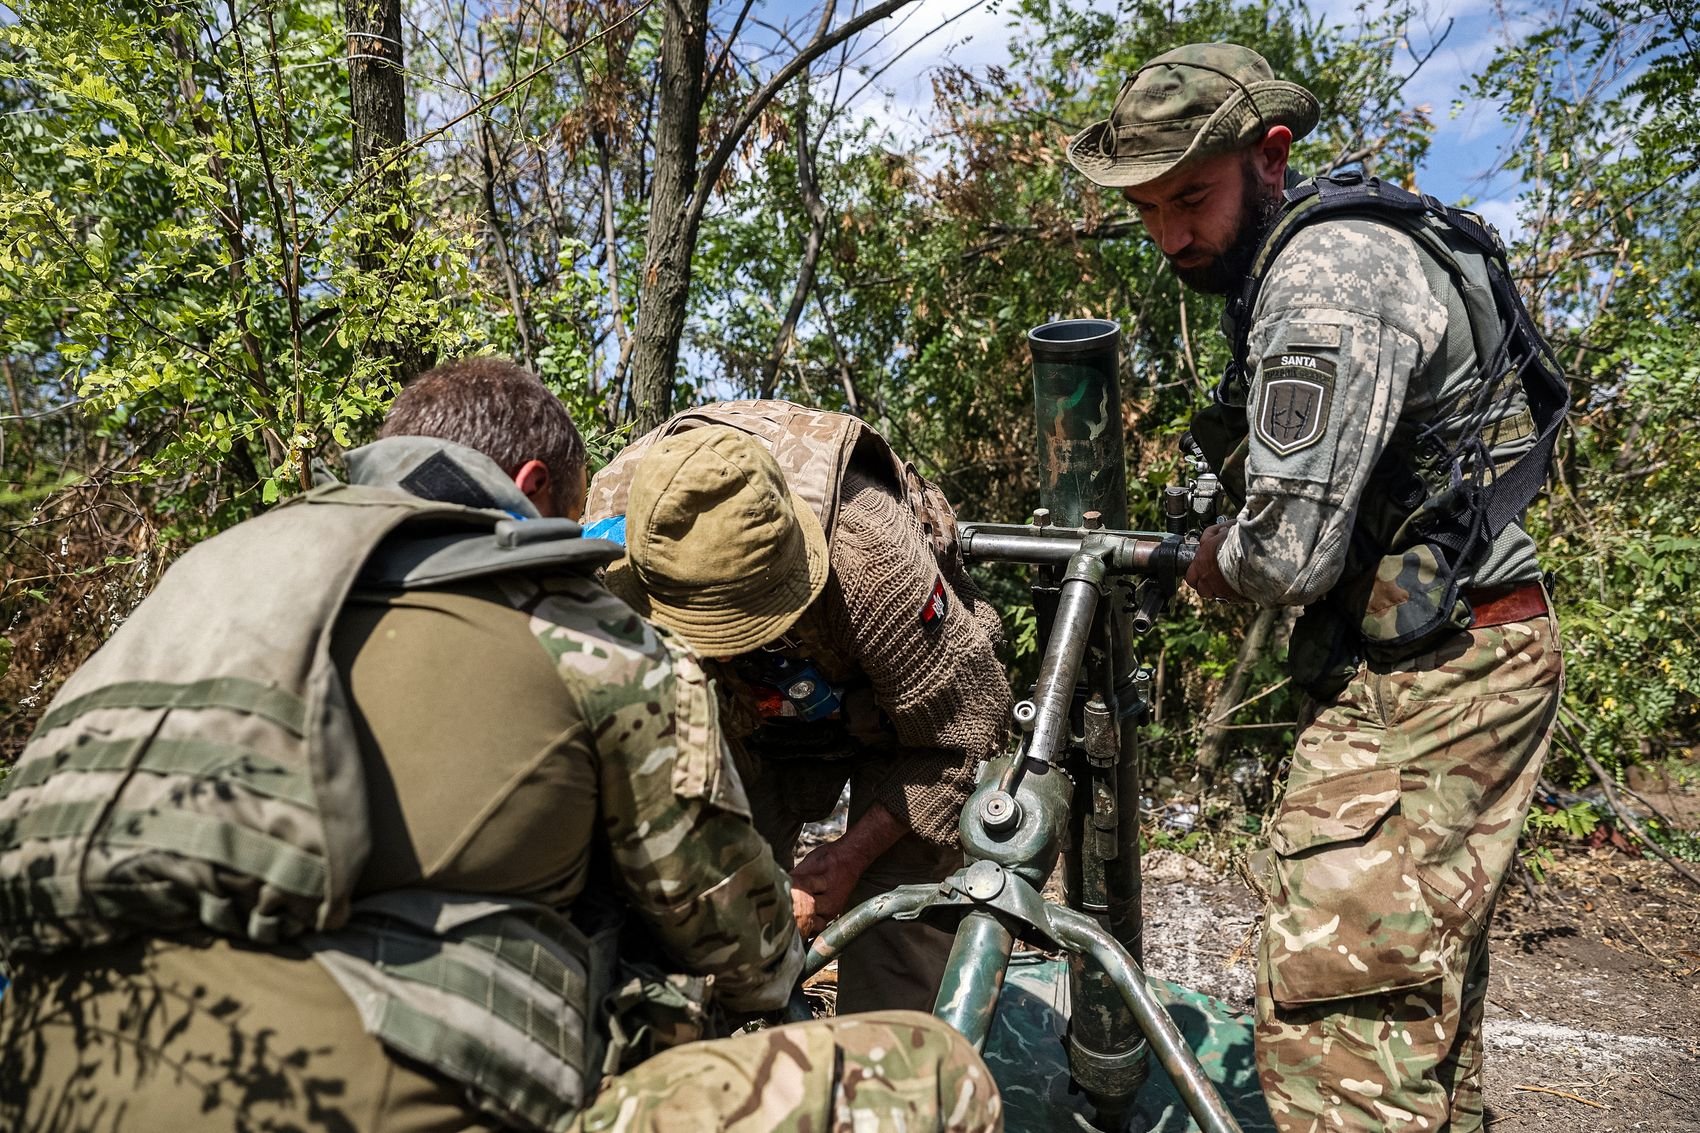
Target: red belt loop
<point x="1499" y="605"/>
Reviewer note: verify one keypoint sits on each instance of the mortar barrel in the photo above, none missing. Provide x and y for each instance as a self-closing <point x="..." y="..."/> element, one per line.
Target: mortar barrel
<point x="1077" y="403"/>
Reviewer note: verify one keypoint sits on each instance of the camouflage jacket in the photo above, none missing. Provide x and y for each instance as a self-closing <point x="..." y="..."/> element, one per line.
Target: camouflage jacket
<point x="525" y="761"/>
<point x="1373" y="335"/>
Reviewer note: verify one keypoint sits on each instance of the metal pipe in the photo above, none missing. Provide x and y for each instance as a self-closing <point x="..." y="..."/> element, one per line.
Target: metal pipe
<point x="837" y="935"/>
<point x="1078" y="931"/>
<point x="968" y="997"/>
<point x="1053" y="692"/>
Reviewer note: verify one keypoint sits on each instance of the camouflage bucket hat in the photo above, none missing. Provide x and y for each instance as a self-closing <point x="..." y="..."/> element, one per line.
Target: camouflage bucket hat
<point x="1186" y="105"/>
<point x="718" y="548"/>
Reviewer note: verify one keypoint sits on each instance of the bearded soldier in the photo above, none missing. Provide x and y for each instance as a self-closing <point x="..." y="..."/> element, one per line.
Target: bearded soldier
<point x="823" y="573"/>
<point x="1387" y="417"/>
<point x="380" y="813"/>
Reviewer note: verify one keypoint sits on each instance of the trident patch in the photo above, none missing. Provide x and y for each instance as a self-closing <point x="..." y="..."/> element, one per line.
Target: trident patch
<point x="1298" y="392"/>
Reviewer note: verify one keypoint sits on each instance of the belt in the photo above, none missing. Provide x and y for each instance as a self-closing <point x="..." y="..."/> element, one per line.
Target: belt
<point x="1501" y="605"/>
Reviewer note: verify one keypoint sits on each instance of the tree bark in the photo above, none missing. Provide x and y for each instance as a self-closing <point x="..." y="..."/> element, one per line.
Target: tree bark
<point x="672" y="230"/>
<point x="377" y="98"/>
<point x="816" y="240"/>
<point x="679" y="192"/>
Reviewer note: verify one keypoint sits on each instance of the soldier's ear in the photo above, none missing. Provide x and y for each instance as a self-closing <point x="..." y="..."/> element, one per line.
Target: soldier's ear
<point x="532" y="480"/>
<point x="1269" y="157"/>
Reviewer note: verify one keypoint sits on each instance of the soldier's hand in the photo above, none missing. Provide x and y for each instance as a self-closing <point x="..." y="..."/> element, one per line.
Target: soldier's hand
<point x="809" y="923"/>
<point x="828" y="876"/>
<point x="1205" y="575"/>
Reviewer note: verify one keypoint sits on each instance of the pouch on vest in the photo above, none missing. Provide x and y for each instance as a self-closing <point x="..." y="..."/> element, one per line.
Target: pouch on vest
<point x="499" y="995"/>
<point x="649" y="1011"/>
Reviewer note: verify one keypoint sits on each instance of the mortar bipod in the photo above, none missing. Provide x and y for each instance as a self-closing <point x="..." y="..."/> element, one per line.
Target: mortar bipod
<point x="996" y="902"/>
<point x="1014" y="826"/>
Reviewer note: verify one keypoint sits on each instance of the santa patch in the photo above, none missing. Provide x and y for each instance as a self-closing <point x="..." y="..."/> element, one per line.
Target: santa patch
<point x="935" y="607"/>
<point x="1297" y="393"/>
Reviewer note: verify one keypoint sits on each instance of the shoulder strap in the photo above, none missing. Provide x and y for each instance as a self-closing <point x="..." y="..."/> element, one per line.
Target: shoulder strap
<point x="1515" y="345"/>
<point x="513" y="547"/>
<point x="814" y="447"/>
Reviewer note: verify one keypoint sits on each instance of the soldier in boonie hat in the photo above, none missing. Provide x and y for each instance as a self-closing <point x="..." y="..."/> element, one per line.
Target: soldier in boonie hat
<point x="1198" y="142"/>
<point x="1186" y="105"/>
<point x="718" y="548"/>
<point x="1353" y="316"/>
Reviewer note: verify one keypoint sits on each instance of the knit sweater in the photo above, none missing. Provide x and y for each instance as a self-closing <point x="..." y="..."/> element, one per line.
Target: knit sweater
<point x="939" y="683"/>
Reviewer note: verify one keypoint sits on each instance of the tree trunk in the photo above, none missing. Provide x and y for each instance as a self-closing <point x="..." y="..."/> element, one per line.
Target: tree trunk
<point x="1216" y="734"/>
<point x="672" y="224"/>
<point x="378" y="100"/>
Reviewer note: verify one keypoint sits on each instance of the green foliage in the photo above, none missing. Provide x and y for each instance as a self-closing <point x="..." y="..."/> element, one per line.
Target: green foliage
<point x="1540" y="829"/>
<point x="1609" y="257"/>
<point x="180" y="226"/>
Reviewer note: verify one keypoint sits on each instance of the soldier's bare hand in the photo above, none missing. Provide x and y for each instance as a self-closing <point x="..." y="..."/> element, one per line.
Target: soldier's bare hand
<point x="1205" y="574"/>
<point x="828" y="877"/>
<point x="809" y="923"/>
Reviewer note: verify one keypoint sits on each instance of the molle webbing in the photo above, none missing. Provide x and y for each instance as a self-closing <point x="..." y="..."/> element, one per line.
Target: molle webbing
<point x="202" y="768"/>
<point x="494" y="993"/>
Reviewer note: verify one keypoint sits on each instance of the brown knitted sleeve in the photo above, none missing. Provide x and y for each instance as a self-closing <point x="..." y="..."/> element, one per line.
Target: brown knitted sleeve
<point x="940" y="683"/>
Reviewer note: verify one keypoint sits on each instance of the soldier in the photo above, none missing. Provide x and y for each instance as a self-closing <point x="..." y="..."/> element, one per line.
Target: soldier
<point x="823" y="571"/>
<point x="381" y="813"/>
<point x="1384" y="458"/>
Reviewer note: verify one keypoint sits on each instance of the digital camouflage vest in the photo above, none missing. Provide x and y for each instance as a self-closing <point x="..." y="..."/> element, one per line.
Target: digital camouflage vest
<point x="201" y="772"/>
<point x="1433" y="506"/>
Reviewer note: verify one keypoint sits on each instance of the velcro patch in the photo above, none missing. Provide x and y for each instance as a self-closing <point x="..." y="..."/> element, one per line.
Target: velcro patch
<point x="936" y="606"/>
<point x="441" y="479"/>
<point x="1298" y="392"/>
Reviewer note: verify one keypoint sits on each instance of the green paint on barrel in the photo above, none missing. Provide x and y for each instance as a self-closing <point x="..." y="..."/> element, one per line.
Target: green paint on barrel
<point x="1077" y="402"/>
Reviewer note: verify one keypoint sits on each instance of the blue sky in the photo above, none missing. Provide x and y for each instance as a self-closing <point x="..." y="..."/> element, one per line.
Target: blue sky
<point x="1460" y="162"/>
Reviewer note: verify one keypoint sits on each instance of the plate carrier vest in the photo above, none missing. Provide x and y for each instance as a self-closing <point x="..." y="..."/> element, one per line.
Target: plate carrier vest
<point x="201" y="772"/>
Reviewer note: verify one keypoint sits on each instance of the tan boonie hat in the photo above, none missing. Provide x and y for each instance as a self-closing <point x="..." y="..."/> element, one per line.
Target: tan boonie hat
<point x="718" y="549"/>
<point x="1185" y="105"/>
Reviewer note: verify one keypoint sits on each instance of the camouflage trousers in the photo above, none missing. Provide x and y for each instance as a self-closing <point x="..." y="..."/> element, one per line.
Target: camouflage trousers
<point x="1401" y="814"/>
<point x="881" y="1072"/>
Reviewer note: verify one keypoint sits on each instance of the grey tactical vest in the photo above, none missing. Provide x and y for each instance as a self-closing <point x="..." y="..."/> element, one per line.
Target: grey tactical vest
<point x="201" y="772"/>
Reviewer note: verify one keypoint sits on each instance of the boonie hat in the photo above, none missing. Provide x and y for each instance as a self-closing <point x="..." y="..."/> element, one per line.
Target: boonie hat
<point x="718" y="548"/>
<point x="1185" y="105"/>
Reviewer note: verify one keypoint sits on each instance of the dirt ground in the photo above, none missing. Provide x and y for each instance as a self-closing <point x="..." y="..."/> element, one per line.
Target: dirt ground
<point x="1593" y="1017"/>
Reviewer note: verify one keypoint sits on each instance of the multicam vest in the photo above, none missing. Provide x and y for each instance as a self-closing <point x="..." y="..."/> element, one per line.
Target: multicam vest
<point x="814" y="448"/>
<point x="201" y="772"/>
<point x="1436" y="503"/>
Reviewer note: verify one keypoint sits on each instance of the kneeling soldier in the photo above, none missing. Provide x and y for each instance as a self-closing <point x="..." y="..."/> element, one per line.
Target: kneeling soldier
<point x="378" y="805"/>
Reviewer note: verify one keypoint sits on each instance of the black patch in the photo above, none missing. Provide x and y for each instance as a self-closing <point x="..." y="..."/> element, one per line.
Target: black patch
<point x="1298" y="392"/>
<point x="440" y="478"/>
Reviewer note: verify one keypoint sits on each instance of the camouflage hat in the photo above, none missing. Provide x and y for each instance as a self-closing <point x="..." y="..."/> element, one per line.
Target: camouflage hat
<point x="718" y="548"/>
<point x="1188" y="104"/>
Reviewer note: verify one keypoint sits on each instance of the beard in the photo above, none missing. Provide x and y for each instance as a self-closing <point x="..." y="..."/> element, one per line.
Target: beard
<point x="1224" y="272"/>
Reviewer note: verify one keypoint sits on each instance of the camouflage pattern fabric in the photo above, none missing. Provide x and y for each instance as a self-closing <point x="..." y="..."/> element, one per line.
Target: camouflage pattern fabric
<point x="1354" y="352"/>
<point x="1401" y="813"/>
<point x="884" y="1072"/>
<point x="673" y="809"/>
